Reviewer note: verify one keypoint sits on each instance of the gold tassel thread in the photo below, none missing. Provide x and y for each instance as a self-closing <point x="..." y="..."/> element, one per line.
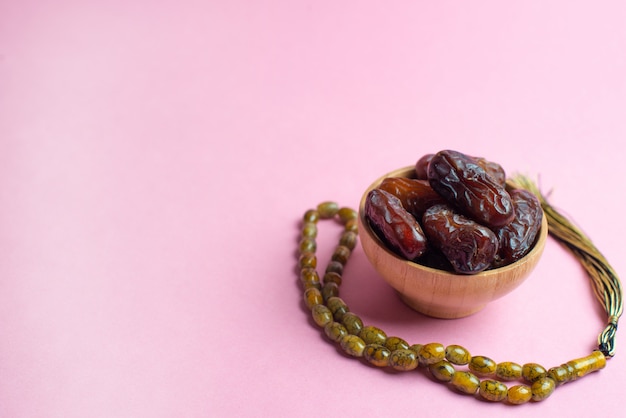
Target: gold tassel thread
<point x="605" y="282"/>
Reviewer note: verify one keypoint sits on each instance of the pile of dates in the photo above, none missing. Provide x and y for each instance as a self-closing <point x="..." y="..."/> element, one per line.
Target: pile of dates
<point x="456" y="214"/>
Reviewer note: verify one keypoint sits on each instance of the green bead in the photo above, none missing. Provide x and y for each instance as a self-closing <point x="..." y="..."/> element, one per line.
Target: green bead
<point x="352" y="345"/>
<point x="329" y="290"/>
<point x="327" y="209"/>
<point x="321" y="315"/>
<point x="334" y="266"/>
<point x="348" y="239"/>
<point x="533" y="371"/>
<point x="482" y="366"/>
<point x="377" y="355"/>
<point x="542" y="388"/>
<point x="311" y="215"/>
<point x="352" y="225"/>
<point x="519" y="394"/>
<point x="312" y="297"/>
<point x="560" y="375"/>
<point x="417" y="348"/>
<point x="307" y="259"/>
<point x="352" y="322"/>
<point x="465" y="382"/>
<point x="333" y="277"/>
<point x="309" y="278"/>
<point x="335" y="331"/>
<point x="442" y="371"/>
<point x="309" y="230"/>
<point x="457" y="355"/>
<point x="492" y="390"/>
<point x="508" y="371"/>
<point x="432" y="353"/>
<point x="338" y="307"/>
<point x="396" y="343"/>
<point x="403" y="360"/>
<point x="346" y="214"/>
<point x="373" y="335"/>
<point x="341" y="254"/>
<point x="307" y="245"/>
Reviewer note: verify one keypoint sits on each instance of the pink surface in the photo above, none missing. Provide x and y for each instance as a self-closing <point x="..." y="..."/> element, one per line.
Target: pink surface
<point x="156" y="157"/>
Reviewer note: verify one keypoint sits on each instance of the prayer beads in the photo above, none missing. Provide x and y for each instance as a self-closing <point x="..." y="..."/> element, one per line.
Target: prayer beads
<point x="482" y="366"/>
<point x="333" y="315"/>
<point x="492" y="390"/>
<point x="377" y="354"/>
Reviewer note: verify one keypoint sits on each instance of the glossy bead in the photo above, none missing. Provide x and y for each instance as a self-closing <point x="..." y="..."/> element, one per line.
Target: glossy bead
<point x="335" y="331"/>
<point x="508" y="371"/>
<point x="559" y="374"/>
<point x="307" y="259"/>
<point x="533" y="371"/>
<point x="432" y="353"/>
<point x="352" y="345"/>
<point x="327" y="209"/>
<point x="348" y="239"/>
<point x="403" y="360"/>
<point x="442" y="371"/>
<point x="311" y="215"/>
<point x="329" y="290"/>
<point x="373" y="335"/>
<point x="519" y="394"/>
<point x="334" y="266"/>
<point x="321" y="315"/>
<point x="333" y="277"/>
<point x="352" y="225"/>
<point x="312" y="297"/>
<point x="353" y="323"/>
<point x="341" y="254"/>
<point x="307" y="245"/>
<point x="585" y="365"/>
<point x="396" y="343"/>
<point x="309" y="230"/>
<point x="338" y="307"/>
<point x="542" y="388"/>
<point x="377" y="355"/>
<point x="457" y="355"/>
<point x="492" y="390"/>
<point x="346" y="214"/>
<point x="465" y="382"/>
<point x="417" y="348"/>
<point x="482" y="366"/>
<point x="309" y="278"/>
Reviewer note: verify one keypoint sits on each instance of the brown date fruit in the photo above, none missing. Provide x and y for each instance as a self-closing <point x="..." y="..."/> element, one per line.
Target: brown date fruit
<point x="494" y="170"/>
<point x="517" y="238"/>
<point x="416" y="195"/>
<point x="464" y="184"/>
<point x="469" y="246"/>
<point x="421" y="167"/>
<point x="399" y="229"/>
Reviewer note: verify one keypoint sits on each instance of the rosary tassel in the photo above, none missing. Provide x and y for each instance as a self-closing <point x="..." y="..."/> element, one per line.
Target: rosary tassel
<point x="606" y="283"/>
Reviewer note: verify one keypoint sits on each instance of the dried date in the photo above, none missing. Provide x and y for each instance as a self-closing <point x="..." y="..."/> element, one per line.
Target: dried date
<point x="518" y="237"/>
<point x="493" y="169"/>
<point x="421" y="167"/>
<point x="399" y="229"/>
<point x="416" y="195"/>
<point x="469" y="246"/>
<point x="467" y="186"/>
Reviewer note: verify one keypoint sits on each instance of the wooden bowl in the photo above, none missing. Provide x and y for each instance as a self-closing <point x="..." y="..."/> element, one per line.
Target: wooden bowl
<point x="439" y="293"/>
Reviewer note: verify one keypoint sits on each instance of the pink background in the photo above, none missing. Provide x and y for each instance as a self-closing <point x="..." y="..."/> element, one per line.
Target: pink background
<point x="157" y="156"/>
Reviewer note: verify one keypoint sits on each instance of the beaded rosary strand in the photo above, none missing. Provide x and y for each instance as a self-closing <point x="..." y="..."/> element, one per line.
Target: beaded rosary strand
<point x="373" y="345"/>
